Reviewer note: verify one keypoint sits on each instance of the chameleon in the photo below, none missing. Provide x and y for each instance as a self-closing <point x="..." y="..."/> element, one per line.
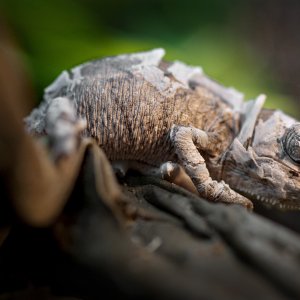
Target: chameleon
<point x="161" y="115"/>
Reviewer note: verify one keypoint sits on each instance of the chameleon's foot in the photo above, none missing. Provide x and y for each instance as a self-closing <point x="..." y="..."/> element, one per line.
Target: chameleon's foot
<point x="188" y="141"/>
<point x="63" y="127"/>
<point x="221" y="192"/>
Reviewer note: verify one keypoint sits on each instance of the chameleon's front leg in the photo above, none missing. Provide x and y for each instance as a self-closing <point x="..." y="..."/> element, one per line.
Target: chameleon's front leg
<point x="186" y="141"/>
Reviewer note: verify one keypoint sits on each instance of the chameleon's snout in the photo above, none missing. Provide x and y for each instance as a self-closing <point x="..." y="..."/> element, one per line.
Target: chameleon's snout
<point x="268" y="170"/>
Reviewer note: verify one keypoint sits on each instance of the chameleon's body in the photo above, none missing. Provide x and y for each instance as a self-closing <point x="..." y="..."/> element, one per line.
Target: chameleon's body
<point x="140" y="108"/>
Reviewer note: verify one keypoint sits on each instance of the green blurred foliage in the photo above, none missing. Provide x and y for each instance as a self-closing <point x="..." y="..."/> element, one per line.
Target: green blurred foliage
<point x="58" y="34"/>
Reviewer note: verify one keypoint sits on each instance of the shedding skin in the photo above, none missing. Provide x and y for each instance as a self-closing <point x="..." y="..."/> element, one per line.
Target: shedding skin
<point x="171" y="120"/>
<point x="63" y="128"/>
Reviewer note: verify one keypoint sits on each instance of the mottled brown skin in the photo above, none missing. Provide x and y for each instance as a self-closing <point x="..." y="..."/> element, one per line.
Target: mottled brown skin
<point x="137" y="122"/>
<point x="131" y="119"/>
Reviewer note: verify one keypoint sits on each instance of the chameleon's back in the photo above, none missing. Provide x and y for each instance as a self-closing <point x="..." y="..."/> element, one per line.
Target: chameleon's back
<point x="130" y="103"/>
<point x="129" y="117"/>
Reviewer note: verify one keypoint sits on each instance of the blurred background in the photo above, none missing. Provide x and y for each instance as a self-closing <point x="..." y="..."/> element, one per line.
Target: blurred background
<point x="250" y="45"/>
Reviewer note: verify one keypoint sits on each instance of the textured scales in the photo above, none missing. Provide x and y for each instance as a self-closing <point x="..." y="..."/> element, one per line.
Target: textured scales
<point x="140" y="108"/>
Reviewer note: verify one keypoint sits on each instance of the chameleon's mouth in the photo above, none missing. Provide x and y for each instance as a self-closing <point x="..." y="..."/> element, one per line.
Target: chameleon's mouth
<point x="282" y="204"/>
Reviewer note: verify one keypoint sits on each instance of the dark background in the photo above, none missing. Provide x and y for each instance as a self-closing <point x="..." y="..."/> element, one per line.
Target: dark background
<point x="251" y="45"/>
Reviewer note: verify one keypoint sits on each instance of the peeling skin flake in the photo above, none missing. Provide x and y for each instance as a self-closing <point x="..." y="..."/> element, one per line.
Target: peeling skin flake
<point x="148" y="58"/>
<point x="183" y="72"/>
<point x="61" y="81"/>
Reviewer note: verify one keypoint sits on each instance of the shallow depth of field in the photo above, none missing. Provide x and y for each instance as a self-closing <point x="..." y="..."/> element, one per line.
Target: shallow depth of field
<point x="251" y="45"/>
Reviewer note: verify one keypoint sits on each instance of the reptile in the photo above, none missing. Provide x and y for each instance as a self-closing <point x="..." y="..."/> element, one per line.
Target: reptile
<point x="168" y="115"/>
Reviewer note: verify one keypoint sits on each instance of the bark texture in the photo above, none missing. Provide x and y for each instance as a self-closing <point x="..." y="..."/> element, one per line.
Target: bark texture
<point x="154" y="241"/>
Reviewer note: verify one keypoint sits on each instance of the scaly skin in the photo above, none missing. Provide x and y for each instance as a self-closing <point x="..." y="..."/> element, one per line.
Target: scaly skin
<point x="141" y="108"/>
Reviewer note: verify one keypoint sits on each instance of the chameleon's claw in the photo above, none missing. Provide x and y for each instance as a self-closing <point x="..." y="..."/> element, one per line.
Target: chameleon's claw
<point x="174" y="173"/>
<point x="221" y="192"/>
<point x="230" y="196"/>
<point x="169" y="170"/>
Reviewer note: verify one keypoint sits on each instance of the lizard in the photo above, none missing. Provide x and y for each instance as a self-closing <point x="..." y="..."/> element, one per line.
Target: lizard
<point x="161" y="115"/>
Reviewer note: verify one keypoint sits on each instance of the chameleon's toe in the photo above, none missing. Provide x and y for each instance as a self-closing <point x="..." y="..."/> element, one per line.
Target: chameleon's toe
<point x="245" y="202"/>
<point x="221" y="192"/>
<point x="230" y="196"/>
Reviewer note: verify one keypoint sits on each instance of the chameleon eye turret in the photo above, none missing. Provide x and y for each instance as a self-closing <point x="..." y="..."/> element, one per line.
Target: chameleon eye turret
<point x="291" y="142"/>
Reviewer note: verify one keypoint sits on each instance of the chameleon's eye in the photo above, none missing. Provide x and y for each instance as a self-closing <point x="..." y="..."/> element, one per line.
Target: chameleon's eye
<point x="291" y="142"/>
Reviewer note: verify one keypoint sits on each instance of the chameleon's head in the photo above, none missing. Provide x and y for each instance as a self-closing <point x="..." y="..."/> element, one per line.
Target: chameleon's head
<point x="266" y="164"/>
